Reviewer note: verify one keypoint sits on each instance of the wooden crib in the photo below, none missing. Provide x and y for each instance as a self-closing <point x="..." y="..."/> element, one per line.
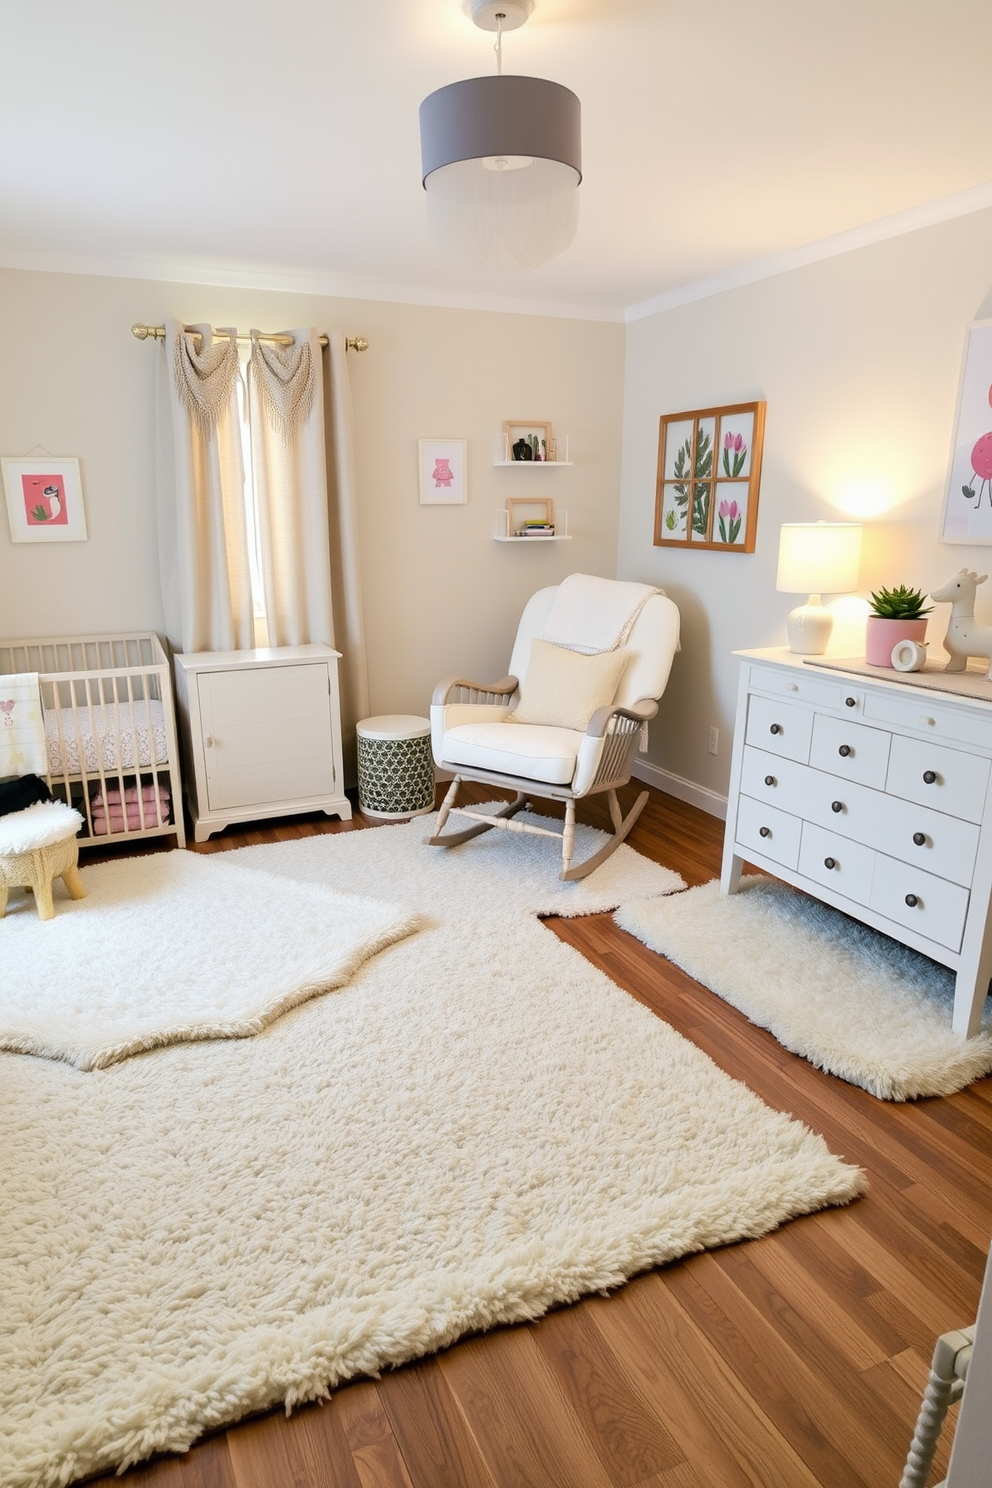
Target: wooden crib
<point x="110" y="729"/>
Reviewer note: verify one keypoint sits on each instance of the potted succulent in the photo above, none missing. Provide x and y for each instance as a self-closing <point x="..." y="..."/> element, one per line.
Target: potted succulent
<point x="896" y="615"/>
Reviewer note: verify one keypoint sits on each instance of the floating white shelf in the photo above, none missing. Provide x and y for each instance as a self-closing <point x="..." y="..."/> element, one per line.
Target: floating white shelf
<point x="560" y="534"/>
<point x="534" y="464"/>
<point x="501" y="454"/>
<point x="530" y="541"/>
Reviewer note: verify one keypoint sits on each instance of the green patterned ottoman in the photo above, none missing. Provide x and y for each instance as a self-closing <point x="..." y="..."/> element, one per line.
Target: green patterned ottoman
<point x="395" y="766"/>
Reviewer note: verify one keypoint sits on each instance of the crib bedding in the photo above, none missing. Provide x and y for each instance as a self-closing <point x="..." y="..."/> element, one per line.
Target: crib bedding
<point x="105" y="737"/>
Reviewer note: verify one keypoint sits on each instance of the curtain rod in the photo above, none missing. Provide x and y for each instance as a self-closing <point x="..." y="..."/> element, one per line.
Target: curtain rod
<point x="157" y="333"/>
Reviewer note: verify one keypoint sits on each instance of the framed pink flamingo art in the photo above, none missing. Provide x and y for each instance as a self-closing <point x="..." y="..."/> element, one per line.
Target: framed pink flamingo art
<point x="44" y="500"/>
<point x="967" y="516"/>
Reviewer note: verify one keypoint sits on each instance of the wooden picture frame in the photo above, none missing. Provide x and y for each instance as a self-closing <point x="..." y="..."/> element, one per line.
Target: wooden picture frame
<point x="44" y="499"/>
<point x="709" y="473"/>
<point x="526" y="511"/>
<point x="533" y="434"/>
<point x="969" y="469"/>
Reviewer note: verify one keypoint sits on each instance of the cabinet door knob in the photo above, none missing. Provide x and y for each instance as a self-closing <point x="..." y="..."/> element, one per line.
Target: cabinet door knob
<point x="912" y="900"/>
<point x="764" y="831"/>
<point x="929" y="776"/>
<point x="770" y="780"/>
<point x="792" y="686"/>
<point x="845" y="750"/>
<point x="830" y="862"/>
<point x="209" y="741"/>
<point x="919" y="838"/>
<point x="836" y="805"/>
<point x="776" y="728"/>
<point x="850" y="702"/>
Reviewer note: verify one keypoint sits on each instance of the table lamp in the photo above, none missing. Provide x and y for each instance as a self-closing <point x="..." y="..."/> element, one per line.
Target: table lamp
<point x="816" y="558"/>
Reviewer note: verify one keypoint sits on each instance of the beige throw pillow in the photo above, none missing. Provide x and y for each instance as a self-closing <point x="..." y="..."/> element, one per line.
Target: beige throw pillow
<point x="564" y="688"/>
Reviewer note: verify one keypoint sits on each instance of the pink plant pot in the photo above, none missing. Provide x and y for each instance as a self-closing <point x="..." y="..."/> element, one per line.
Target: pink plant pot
<point x="882" y="635"/>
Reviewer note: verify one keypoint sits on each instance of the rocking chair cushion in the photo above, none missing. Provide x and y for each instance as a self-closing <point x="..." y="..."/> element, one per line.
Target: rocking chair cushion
<point x="545" y="754"/>
<point x="563" y="688"/>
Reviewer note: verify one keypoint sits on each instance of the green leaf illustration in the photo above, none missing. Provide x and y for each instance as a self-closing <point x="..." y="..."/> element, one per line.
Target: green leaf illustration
<point x="700" y="510"/>
<point x="704" y="454"/>
<point x="39" y="514"/>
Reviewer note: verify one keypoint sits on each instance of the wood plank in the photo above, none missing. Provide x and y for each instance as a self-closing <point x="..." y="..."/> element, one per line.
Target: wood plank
<point x="527" y="1432"/>
<point x="433" y="1434"/>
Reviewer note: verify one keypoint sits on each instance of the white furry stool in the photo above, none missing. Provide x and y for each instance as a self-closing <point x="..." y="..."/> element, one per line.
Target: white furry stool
<point x="38" y="845"/>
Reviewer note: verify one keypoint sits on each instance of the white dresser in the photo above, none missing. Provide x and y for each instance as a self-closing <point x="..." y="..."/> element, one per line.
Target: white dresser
<point x="262" y="731"/>
<point x="872" y="796"/>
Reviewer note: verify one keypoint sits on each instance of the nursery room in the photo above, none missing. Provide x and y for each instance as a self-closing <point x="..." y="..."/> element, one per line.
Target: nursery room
<point x="495" y="738"/>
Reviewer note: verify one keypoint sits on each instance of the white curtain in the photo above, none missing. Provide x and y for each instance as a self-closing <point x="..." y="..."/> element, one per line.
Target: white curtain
<point x="305" y="499"/>
<point x="203" y="541"/>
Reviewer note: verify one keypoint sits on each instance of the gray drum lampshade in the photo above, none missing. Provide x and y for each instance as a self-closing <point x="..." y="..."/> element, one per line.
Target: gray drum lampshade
<point x="502" y="161"/>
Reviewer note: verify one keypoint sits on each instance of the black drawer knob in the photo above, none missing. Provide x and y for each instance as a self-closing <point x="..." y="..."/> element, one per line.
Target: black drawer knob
<point x="836" y="805"/>
<point x="919" y="838"/>
<point x="912" y="900"/>
<point x="764" y="831"/>
<point x="770" y="780"/>
<point x="851" y="702"/>
<point x="776" y="728"/>
<point x="929" y="776"/>
<point x="845" y="750"/>
<point x="830" y="862"/>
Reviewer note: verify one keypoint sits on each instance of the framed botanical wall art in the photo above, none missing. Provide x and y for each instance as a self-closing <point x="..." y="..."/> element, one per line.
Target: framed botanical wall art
<point x="709" y="472"/>
<point x="967" y="516"/>
<point x="443" y="472"/>
<point x="44" y="500"/>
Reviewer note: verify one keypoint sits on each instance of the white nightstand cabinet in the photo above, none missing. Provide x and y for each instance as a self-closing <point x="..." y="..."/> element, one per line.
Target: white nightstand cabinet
<point x="262" y="731"/>
<point x="872" y="796"/>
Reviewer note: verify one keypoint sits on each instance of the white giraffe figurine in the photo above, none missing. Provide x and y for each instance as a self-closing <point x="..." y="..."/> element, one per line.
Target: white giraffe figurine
<point x="965" y="637"/>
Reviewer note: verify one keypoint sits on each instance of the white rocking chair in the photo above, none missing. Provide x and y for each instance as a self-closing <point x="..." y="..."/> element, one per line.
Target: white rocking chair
<point x="472" y="738"/>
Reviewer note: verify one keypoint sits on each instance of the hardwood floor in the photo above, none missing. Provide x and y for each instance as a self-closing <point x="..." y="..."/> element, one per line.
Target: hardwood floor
<point x="791" y="1361"/>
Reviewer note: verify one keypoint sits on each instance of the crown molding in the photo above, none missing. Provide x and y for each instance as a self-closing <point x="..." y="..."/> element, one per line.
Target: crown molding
<point x="335" y="286"/>
<point x="944" y="209"/>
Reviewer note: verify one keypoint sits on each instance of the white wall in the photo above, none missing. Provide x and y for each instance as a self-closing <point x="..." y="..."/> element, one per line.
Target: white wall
<point x="858" y="359"/>
<point x="440" y="595"/>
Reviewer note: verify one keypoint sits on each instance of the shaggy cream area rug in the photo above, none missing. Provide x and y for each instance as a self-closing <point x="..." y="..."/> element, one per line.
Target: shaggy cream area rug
<point x="478" y="1126"/>
<point x="851" y="1001"/>
<point x="171" y="947"/>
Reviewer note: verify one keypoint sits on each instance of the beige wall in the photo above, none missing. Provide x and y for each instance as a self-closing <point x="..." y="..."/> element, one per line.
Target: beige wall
<point x="440" y="595"/>
<point x="858" y="359"/>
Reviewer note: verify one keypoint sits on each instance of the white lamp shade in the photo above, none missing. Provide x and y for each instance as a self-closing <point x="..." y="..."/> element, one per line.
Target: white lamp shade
<point x="819" y="557"/>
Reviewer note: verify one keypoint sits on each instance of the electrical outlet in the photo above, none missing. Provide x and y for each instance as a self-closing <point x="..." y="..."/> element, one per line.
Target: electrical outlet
<point x="714" y="741"/>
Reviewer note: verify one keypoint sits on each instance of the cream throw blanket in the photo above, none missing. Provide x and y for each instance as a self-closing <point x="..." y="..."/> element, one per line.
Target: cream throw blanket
<point x="592" y="614"/>
<point x="23" y="750"/>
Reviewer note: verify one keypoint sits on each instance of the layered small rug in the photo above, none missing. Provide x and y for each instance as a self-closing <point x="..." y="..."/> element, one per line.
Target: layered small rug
<point x="478" y="1126"/>
<point x="853" y="1002"/>
<point x="174" y="947"/>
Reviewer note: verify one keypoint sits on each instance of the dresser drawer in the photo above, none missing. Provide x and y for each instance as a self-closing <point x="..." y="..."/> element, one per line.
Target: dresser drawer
<point x="779" y="727"/>
<point x="930" y="906"/>
<point x="914" y="710"/>
<point x="772" y="833"/>
<point x="934" y="775"/>
<point x="837" y="863"/>
<point x="850" y="750"/>
<point x="802" y="686"/>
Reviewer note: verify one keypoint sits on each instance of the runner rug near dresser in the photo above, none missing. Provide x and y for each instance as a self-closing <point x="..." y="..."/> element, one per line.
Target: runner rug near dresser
<point x="850" y="1000"/>
<point x="477" y="1126"/>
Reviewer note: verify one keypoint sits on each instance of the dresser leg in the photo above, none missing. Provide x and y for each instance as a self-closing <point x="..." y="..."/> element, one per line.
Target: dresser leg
<point x="730" y="879"/>
<point x="970" y="991"/>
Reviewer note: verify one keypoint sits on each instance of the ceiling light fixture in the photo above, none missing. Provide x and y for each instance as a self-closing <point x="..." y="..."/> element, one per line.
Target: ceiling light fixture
<point x="502" y="160"/>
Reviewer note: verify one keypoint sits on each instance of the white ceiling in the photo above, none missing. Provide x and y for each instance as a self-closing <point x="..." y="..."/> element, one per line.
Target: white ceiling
<point x="253" y="142"/>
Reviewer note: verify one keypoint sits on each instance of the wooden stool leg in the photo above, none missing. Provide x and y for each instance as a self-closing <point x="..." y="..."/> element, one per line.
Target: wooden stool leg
<point x="74" y="884"/>
<point x="3" y="900"/>
<point x="43" y="900"/>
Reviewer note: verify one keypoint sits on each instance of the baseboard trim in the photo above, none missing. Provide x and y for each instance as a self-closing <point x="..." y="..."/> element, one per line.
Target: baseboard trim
<point x="683" y="790"/>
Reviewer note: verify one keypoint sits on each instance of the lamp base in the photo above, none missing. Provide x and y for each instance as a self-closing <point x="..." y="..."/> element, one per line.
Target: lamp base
<point x="809" y="627"/>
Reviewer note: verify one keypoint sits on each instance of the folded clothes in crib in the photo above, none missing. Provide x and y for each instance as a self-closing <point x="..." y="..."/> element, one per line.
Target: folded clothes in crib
<point x="132" y="813"/>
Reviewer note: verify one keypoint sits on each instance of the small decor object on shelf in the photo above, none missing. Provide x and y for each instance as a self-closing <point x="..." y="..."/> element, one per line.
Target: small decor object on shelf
<point x="709" y="469"/>
<point x="965" y="637"/>
<point x="44" y="500"/>
<point x="529" y="441"/>
<point x="896" y="615"/>
<point x="443" y="476"/>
